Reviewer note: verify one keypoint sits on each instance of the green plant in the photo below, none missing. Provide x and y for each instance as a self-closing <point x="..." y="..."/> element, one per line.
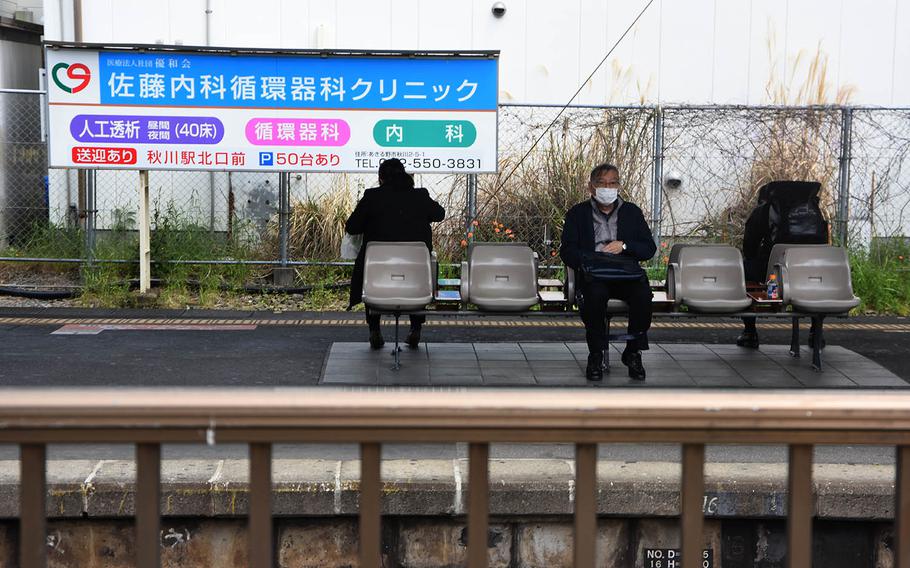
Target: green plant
<point x="45" y="239"/>
<point x="103" y="285"/>
<point x="881" y="278"/>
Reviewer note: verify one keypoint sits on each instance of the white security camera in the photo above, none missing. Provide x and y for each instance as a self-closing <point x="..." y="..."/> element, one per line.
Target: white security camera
<point x="499" y="9"/>
<point x="673" y="180"/>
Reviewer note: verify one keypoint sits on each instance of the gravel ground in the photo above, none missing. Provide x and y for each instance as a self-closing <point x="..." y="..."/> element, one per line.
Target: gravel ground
<point x="42" y="278"/>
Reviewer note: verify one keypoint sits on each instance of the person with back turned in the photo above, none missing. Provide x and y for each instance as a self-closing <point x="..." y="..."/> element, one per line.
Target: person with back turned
<point x="786" y="212"/>
<point x="613" y="232"/>
<point x="394" y="211"/>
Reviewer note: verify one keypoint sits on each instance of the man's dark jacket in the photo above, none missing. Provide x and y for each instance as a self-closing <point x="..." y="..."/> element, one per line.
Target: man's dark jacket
<point x="391" y="213"/>
<point x="578" y="233"/>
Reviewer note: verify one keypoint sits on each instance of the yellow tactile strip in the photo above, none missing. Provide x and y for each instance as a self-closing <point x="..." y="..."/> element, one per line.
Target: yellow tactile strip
<point x="476" y="322"/>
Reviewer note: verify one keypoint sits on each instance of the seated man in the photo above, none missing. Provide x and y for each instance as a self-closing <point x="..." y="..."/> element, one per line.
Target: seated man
<point x="606" y="223"/>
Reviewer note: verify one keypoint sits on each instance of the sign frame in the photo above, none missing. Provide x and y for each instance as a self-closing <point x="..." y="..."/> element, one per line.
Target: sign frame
<point x="435" y="165"/>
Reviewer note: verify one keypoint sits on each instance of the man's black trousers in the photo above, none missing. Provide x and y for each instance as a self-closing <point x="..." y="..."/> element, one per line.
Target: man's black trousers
<point x="593" y="307"/>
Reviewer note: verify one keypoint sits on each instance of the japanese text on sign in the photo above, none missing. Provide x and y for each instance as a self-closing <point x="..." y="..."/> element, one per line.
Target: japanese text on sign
<point x="172" y="108"/>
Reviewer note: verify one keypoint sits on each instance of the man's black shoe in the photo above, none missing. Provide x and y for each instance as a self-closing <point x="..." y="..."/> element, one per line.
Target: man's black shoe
<point x="413" y="339"/>
<point x="748" y="339"/>
<point x="376" y="340"/>
<point x="632" y="360"/>
<point x="594" y="371"/>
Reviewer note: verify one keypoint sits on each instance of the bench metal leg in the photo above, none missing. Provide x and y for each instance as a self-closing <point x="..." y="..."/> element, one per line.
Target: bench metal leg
<point x="396" y="351"/>
<point x="817" y="339"/>
<point x="794" y="339"/>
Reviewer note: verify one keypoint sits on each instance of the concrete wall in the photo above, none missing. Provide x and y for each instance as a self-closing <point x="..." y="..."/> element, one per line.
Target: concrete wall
<point x="441" y="543"/>
<point x="315" y="502"/>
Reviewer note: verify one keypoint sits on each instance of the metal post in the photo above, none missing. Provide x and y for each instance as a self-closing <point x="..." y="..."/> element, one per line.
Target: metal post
<point x="284" y="190"/>
<point x="470" y="206"/>
<point x="148" y="505"/>
<point x="77" y="22"/>
<point x="145" y="234"/>
<point x="260" y="519"/>
<point x="585" y="505"/>
<point x="478" y="504"/>
<point x="658" y="175"/>
<point x="843" y="186"/>
<point x="208" y="41"/>
<point x="799" y="508"/>
<point x="91" y="211"/>
<point x="902" y="509"/>
<point x="370" y="505"/>
<point x="32" y="507"/>
<point x="691" y="512"/>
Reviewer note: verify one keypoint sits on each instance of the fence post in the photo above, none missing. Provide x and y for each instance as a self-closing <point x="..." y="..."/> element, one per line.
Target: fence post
<point x="658" y="175"/>
<point x="145" y="234"/>
<point x="470" y="206"/>
<point x="283" y="275"/>
<point x="843" y="186"/>
<point x="284" y="181"/>
<point x="91" y="211"/>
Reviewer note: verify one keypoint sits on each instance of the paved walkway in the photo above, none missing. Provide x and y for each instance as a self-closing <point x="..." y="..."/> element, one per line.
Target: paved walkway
<point x="542" y="364"/>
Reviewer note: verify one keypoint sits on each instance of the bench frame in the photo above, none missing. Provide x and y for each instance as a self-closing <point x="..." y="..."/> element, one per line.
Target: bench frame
<point x="568" y="309"/>
<point x="795" y="317"/>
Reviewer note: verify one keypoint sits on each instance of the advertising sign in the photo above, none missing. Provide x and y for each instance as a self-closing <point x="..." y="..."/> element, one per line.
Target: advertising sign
<point x="216" y="110"/>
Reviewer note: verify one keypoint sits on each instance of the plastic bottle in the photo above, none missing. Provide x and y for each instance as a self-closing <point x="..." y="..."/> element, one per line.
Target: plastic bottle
<point x="773" y="289"/>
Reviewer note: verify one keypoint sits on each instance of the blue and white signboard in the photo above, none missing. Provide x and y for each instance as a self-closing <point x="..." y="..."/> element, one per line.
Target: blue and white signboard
<point x="196" y="110"/>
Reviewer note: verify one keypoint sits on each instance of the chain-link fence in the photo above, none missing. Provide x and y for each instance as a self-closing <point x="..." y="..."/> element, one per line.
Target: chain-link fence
<point x="721" y="154"/>
<point x="725" y="154"/>
<point x="879" y="198"/>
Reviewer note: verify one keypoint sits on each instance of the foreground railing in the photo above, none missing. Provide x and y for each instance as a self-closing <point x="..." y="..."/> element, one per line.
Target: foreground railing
<point x="34" y="418"/>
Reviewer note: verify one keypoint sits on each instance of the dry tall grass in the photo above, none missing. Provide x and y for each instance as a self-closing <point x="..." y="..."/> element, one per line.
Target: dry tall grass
<point x="791" y="146"/>
<point x="315" y="224"/>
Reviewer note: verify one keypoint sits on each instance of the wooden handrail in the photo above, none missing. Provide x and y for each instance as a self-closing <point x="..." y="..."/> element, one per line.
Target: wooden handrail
<point x="261" y="417"/>
<point x="461" y="415"/>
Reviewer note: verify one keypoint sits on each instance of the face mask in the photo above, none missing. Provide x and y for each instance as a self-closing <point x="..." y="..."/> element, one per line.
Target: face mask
<point x="606" y="195"/>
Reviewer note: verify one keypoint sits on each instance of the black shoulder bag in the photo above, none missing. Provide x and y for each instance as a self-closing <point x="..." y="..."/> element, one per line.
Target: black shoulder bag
<point x="603" y="267"/>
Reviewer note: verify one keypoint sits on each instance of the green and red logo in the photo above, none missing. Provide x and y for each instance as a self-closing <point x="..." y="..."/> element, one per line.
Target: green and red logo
<point x="76" y="73"/>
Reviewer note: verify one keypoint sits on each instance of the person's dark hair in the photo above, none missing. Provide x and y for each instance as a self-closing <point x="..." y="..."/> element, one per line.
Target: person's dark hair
<point x="391" y="172"/>
<point x="602" y="169"/>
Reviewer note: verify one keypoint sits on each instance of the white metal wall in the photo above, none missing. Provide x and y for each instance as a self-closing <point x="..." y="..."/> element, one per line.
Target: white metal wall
<point x="681" y="51"/>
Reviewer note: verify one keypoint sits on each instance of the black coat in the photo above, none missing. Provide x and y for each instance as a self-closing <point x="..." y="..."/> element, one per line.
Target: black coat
<point x="757" y="243"/>
<point x="390" y="213"/>
<point x="758" y="239"/>
<point x="578" y="233"/>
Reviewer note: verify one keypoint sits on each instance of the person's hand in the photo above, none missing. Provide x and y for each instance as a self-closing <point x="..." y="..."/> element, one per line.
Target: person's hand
<point x="613" y="247"/>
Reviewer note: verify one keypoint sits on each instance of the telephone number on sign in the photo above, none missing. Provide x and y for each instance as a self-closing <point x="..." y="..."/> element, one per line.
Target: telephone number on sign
<point x="439" y="163"/>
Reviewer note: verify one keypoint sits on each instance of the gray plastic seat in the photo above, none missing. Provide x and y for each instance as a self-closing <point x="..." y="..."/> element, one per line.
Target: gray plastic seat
<point x="397" y="276"/>
<point x="816" y="279"/>
<point x="777" y="253"/>
<point x="614" y="306"/>
<point x="708" y="279"/>
<point x="500" y="277"/>
<point x="676" y="249"/>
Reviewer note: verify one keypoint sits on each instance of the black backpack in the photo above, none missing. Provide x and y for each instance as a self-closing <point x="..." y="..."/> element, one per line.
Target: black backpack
<point x="794" y="213"/>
